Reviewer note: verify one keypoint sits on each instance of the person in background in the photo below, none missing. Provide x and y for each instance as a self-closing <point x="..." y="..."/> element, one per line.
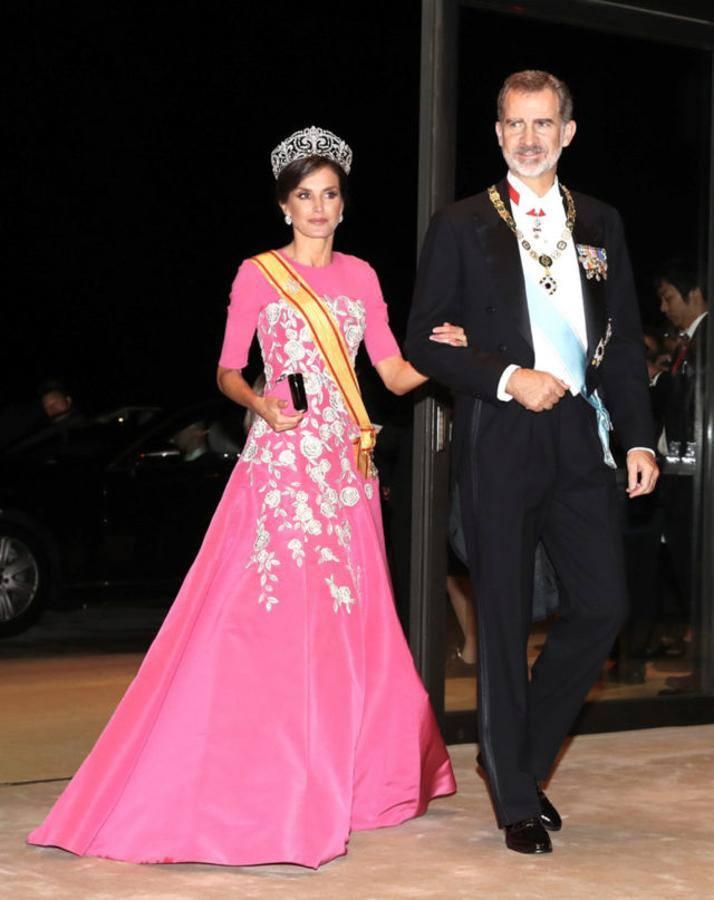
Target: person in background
<point x="682" y="296"/>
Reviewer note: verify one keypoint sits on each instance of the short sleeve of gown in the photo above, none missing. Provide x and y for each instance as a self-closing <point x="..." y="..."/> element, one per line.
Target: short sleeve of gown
<point x="378" y="337"/>
<point x="249" y="294"/>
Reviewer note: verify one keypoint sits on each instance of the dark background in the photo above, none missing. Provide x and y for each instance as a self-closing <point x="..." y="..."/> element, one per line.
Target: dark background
<point x="642" y="143"/>
<point x="139" y="137"/>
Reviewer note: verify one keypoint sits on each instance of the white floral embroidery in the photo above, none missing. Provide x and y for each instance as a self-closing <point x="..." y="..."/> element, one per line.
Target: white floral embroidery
<point x="249" y="450"/>
<point x="341" y="595"/>
<point x="311" y="447"/>
<point x="344" y="534"/>
<point x="326" y="555"/>
<point x="286" y="458"/>
<point x="294" y="350"/>
<point x="265" y="561"/>
<point x="349" y="496"/>
<point x="306" y="476"/>
<point x="313" y="384"/>
<point x="272" y="499"/>
<point x="272" y="313"/>
<point x="295" y="547"/>
<point x="353" y="333"/>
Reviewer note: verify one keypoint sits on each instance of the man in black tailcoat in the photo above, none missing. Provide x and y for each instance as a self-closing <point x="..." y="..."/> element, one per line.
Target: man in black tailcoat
<point x="541" y="281"/>
<point x="682" y="297"/>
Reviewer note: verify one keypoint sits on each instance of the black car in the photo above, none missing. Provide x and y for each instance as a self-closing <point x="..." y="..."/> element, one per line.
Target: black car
<point x="121" y="500"/>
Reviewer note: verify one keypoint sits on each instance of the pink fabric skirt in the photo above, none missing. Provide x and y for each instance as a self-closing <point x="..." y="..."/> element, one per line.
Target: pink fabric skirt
<point x="254" y="735"/>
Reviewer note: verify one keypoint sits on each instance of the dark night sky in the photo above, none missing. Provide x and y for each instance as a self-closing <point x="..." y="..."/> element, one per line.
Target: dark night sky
<point x="140" y="141"/>
<point x="139" y="137"/>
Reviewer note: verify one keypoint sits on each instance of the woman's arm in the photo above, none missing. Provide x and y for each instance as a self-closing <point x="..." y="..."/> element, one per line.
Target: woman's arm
<point x="400" y="376"/>
<point x="236" y="388"/>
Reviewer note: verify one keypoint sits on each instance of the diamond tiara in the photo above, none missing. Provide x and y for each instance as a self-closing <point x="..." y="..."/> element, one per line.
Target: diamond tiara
<point x="312" y="141"/>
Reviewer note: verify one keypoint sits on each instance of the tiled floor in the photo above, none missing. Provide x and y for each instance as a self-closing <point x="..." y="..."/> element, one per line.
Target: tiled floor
<point x="638" y="824"/>
<point x="637" y="809"/>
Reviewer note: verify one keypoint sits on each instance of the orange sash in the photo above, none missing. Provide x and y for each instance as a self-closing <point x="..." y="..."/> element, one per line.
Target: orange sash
<point x="330" y="341"/>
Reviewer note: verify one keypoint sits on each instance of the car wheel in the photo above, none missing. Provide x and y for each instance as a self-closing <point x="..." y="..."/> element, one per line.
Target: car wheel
<point x="24" y="578"/>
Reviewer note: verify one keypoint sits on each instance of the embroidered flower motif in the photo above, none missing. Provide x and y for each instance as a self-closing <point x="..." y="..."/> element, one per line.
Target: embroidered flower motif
<point x="294" y="350"/>
<point x="349" y="496"/>
<point x="313" y="383"/>
<point x="353" y="334"/>
<point x="286" y="458"/>
<point x="265" y="561"/>
<point x="326" y="555"/>
<point x="311" y="446"/>
<point x="272" y="313"/>
<point x="341" y="595"/>
<point x="262" y="538"/>
<point x="302" y="512"/>
<point x="272" y="499"/>
<point x="368" y="489"/>
<point x="295" y="547"/>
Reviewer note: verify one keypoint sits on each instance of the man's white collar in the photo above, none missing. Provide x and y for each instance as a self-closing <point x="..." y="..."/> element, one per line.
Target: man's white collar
<point x="529" y="197"/>
<point x="695" y="324"/>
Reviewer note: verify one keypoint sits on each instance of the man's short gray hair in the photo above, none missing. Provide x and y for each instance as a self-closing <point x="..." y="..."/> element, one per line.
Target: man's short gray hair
<point x="532" y="80"/>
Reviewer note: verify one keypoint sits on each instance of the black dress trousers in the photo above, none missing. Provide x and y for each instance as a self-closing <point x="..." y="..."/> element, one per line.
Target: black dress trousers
<point x="531" y="476"/>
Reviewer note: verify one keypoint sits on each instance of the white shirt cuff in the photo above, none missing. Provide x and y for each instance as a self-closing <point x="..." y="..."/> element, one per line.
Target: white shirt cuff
<point x="503" y="381"/>
<point x="646" y="449"/>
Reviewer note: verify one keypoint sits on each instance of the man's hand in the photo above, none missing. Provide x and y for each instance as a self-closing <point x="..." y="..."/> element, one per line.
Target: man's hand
<point x="535" y="390"/>
<point x="642" y="473"/>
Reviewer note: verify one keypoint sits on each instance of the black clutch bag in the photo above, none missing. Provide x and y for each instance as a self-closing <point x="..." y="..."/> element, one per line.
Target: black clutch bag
<point x="297" y="392"/>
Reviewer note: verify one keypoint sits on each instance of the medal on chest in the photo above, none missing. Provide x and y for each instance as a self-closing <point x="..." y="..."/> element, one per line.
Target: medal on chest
<point x="537" y="227"/>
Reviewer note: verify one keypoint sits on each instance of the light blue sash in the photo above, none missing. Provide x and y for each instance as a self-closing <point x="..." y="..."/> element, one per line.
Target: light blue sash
<point x="566" y="342"/>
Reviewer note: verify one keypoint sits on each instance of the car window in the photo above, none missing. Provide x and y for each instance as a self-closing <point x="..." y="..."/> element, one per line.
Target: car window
<point x="197" y="435"/>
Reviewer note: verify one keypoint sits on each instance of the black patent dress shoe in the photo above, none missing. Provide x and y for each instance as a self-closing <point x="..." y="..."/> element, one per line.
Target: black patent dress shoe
<point x="528" y="836"/>
<point x="548" y="813"/>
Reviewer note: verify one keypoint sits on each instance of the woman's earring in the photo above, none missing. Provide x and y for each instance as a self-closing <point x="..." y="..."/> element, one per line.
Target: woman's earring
<point x="288" y="219"/>
<point x="341" y="219"/>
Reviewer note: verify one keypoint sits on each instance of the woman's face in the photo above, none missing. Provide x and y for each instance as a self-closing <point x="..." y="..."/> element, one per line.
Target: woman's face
<point x="316" y="204"/>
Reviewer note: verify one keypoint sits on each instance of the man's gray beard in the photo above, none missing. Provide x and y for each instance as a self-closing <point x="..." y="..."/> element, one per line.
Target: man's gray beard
<point x="550" y="162"/>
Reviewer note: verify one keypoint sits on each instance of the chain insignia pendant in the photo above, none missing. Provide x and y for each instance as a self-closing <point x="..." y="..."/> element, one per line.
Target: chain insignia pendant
<point x="548" y="283"/>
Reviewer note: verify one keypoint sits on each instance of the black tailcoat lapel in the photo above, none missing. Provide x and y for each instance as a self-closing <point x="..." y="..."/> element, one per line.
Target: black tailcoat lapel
<point x="503" y="259"/>
<point x="589" y="233"/>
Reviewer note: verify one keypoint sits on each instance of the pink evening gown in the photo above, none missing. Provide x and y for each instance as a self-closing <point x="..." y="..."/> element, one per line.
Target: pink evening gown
<point x="278" y="707"/>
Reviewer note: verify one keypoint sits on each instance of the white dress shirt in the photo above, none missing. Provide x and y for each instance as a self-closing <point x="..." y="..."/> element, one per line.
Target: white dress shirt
<point x="568" y="297"/>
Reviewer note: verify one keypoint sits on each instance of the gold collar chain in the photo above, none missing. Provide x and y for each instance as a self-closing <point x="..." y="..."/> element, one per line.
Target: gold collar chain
<point x="547" y="281"/>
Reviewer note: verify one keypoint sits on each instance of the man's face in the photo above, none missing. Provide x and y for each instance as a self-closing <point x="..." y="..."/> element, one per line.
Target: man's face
<point x="532" y="134"/>
<point x="673" y="306"/>
<point x="56" y="404"/>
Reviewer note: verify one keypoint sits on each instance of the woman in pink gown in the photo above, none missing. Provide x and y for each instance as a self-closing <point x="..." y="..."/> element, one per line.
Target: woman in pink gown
<point x="278" y="708"/>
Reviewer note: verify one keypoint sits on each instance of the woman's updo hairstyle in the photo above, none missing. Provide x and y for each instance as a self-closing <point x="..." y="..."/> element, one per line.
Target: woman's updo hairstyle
<point x="291" y="176"/>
